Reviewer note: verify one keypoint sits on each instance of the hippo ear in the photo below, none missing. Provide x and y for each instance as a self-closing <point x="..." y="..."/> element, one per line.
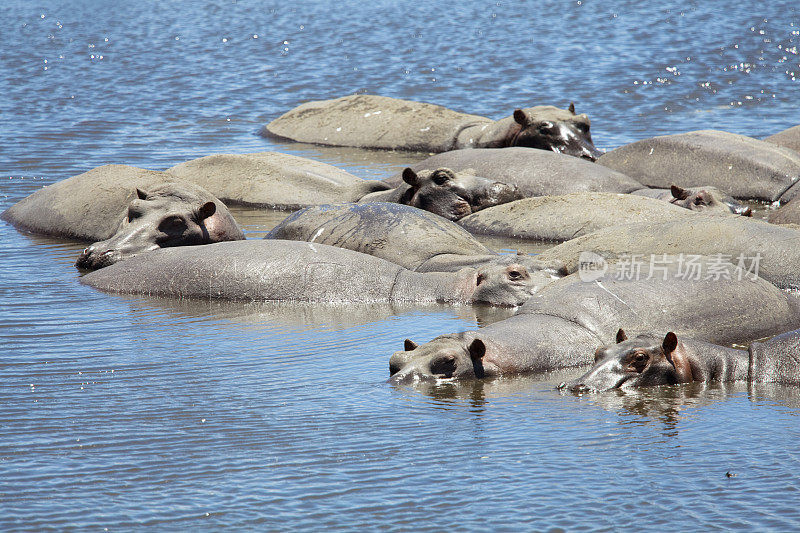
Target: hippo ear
<point x="442" y="176"/>
<point x="410" y="177"/>
<point x="520" y="117"/>
<point x="206" y="210"/>
<point x="621" y="336"/>
<point x="140" y="194"/>
<point x="572" y="107"/>
<point x="677" y="358"/>
<point x="678" y="192"/>
<point x="409" y="345"/>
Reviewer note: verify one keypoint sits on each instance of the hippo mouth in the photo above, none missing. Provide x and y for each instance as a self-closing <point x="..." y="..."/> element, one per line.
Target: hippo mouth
<point x="90" y="260"/>
<point x="582" y="388"/>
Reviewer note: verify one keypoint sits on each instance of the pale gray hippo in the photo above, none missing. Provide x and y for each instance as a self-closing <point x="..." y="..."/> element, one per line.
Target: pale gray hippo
<point x="449" y="194"/>
<point x="170" y="214"/>
<point x="741" y="166"/>
<point x="564" y="217"/>
<point x="91" y="206"/>
<point x="789" y="138"/>
<point x="533" y="172"/>
<point x="368" y="121"/>
<point x="276" y="270"/>
<point x="708" y="200"/>
<point x="562" y="325"/>
<point x="649" y="360"/>
<point x="772" y="251"/>
<point x="274" y="180"/>
<point x="407" y="236"/>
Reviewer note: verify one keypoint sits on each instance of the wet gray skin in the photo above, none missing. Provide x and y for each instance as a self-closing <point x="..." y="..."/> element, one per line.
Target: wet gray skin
<point x="789" y="138"/>
<point x="737" y="165"/>
<point x="708" y="200"/>
<point x="410" y="237"/>
<point x="449" y="194"/>
<point x="562" y="325"/>
<point x="276" y="270"/>
<point x="171" y="214"/>
<point x="648" y="361"/>
<point x="369" y="121"/>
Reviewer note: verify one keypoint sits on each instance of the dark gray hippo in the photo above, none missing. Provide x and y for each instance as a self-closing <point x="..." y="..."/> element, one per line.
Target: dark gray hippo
<point x="708" y="200"/>
<point x="789" y="138"/>
<point x="275" y="270"/>
<point x="91" y="206"/>
<point x="449" y="194"/>
<point x="562" y="325"/>
<point x="564" y="217"/>
<point x="368" y="121"/>
<point x="407" y="236"/>
<point x="274" y="180"/>
<point x="741" y="166"/>
<point x="533" y="172"/>
<point x="170" y="214"/>
<point x="649" y="360"/>
<point x="788" y="213"/>
<point x="770" y="250"/>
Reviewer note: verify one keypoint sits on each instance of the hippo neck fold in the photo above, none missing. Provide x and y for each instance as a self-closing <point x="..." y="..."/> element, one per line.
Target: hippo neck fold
<point x="454" y="262"/>
<point x="488" y="134"/>
<point x="441" y="287"/>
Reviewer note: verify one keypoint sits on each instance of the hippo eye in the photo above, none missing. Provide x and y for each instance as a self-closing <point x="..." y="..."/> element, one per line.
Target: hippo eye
<point x="582" y="126"/>
<point x="546" y="127"/>
<point x="440" y="179"/>
<point x="134" y="212"/>
<point x="173" y="223"/>
<point x="699" y="200"/>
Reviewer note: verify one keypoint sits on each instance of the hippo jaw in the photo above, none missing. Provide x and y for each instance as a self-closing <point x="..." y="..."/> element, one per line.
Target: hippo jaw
<point x="444" y="358"/>
<point x="568" y="135"/>
<point x="641" y="362"/>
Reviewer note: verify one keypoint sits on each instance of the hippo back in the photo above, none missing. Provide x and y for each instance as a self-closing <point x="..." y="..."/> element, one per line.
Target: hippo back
<point x="666" y="296"/>
<point x="737" y="165"/>
<point x="402" y="234"/>
<point x="370" y="121"/>
<point x="787" y="138"/>
<point x="273" y="179"/>
<point x="87" y="207"/>
<point x="534" y="172"/>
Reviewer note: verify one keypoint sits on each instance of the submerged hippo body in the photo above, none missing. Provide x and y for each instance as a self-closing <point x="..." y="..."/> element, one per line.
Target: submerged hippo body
<point x="737" y="165"/>
<point x="92" y="206"/>
<point x="564" y="323"/>
<point x="170" y="214"/>
<point x="533" y="172"/>
<point x="274" y="180"/>
<point x="560" y="218"/>
<point x="789" y="138"/>
<point x="773" y="252"/>
<point x="409" y="237"/>
<point x="276" y="270"/>
<point x="449" y="194"/>
<point x="368" y="121"/>
<point x="649" y="360"/>
<point x="707" y="200"/>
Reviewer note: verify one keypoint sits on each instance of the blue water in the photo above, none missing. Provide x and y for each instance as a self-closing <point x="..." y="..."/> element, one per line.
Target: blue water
<point x="127" y="413"/>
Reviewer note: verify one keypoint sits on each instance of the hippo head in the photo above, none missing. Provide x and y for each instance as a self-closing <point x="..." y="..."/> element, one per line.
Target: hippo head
<point x="708" y="200"/>
<point x="506" y="285"/>
<point x="445" y="357"/>
<point x="169" y="215"/>
<point x="454" y="195"/>
<point x="559" y="130"/>
<point x="641" y="362"/>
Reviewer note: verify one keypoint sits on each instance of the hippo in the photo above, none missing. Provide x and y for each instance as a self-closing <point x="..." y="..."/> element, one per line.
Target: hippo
<point x="788" y="213"/>
<point x="564" y="217"/>
<point x="92" y="206"/>
<point x="407" y="236"/>
<point x="772" y="251"/>
<point x="368" y="121"/>
<point x="740" y="166"/>
<point x="648" y="361"/>
<point x="170" y="214"/>
<point x="708" y="200"/>
<point x="789" y="138"/>
<point x="277" y="270"/>
<point x="274" y="180"/>
<point x="446" y="193"/>
<point x="562" y="325"/>
<point x="533" y="172"/>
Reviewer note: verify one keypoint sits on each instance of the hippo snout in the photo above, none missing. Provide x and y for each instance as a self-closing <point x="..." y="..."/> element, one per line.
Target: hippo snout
<point x="92" y="259"/>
